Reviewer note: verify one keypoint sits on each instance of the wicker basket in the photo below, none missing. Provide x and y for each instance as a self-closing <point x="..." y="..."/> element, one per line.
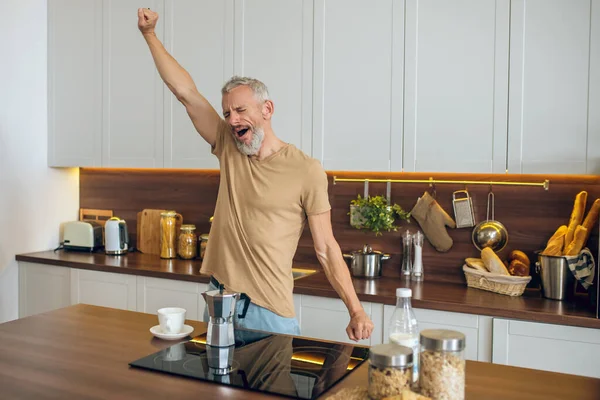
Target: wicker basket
<point x="497" y="283"/>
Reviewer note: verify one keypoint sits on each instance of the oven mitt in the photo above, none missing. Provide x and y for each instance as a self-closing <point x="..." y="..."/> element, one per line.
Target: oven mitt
<point x="582" y="266"/>
<point x="433" y="220"/>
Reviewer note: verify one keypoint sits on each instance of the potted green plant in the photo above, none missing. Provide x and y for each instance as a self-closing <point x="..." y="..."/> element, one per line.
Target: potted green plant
<point x="375" y="214"/>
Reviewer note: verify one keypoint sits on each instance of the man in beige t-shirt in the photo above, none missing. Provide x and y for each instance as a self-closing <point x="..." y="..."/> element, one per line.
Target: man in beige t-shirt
<point x="268" y="190"/>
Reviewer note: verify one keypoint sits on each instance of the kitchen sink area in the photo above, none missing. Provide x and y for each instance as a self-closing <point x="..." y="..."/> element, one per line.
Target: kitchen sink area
<point x="299" y="273"/>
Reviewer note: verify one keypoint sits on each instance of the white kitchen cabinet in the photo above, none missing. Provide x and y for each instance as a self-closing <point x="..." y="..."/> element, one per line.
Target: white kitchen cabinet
<point x="199" y="34"/>
<point x="358" y="84"/>
<point x="43" y="288"/>
<point x="132" y="128"/>
<point x="327" y="318"/>
<point x="105" y="289"/>
<point x="551" y="119"/>
<point x="74" y="83"/>
<point x="477" y="329"/>
<point x="274" y="43"/>
<point x="549" y="347"/>
<point x="456" y="86"/>
<point x="156" y="293"/>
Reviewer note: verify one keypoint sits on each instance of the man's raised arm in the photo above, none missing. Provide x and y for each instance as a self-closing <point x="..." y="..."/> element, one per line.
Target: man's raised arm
<point x="178" y="80"/>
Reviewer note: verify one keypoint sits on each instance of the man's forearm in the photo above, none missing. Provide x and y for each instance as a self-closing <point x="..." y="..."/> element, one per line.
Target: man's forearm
<point x="338" y="275"/>
<point x="177" y="79"/>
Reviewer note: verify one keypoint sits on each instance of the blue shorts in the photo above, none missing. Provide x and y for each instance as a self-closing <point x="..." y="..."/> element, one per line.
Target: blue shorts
<point x="259" y="318"/>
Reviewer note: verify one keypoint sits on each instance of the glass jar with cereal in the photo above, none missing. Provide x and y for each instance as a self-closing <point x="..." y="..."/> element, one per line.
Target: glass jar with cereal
<point x="442" y="364"/>
<point x="390" y="370"/>
<point x="187" y="245"/>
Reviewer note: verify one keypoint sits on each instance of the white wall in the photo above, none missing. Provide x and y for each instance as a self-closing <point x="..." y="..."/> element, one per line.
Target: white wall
<point x="34" y="199"/>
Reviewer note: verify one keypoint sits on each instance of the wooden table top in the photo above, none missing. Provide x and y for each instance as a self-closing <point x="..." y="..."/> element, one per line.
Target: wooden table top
<point x="531" y="306"/>
<point x="83" y="352"/>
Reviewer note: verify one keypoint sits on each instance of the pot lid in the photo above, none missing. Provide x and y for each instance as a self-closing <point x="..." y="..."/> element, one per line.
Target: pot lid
<point x="367" y="249"/>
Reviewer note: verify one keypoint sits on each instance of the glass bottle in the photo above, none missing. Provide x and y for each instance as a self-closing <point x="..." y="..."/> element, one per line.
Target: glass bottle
<point x="187" y="245"/>
<point x="404" y="329"/>
<point x="442" y="361"/>
<point x="417" y="271"/>
<point x="406" y="254"/>
<point x="168" y="239"/>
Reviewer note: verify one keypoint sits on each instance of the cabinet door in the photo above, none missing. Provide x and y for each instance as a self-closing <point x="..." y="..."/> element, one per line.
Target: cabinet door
<point x="456" y="78"/>
<point x="74" y="83"/>
<point x="105" y="289"/>
<point x="358" y="51"/>
<point x="273" y="43"/>
<point x="593" y="145"/>
<point x="199" y="34"/>
<point x="43" y="288"/>
<point x="556" y="348"/>
<point x="478" y="334"/>
<point x="133" y="91"/>
<point x="156" y="293"/>
<point x="549" y="86"/>
<point x="327" y="318"/>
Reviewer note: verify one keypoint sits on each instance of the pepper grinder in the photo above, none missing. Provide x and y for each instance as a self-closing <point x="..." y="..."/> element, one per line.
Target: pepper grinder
<point x="406" y="254"/>
<point x="417" y="272"/>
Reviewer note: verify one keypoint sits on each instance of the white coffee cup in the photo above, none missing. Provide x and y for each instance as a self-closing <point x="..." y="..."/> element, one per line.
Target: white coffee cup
<point x="176" y="352"/>
<point x="171" y="319"/>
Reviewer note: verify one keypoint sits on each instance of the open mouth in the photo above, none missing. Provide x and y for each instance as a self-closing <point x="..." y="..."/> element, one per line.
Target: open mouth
<point x="242" y="132"/>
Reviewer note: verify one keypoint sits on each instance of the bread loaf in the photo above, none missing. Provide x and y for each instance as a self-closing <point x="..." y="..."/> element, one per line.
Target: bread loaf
<point x="555" y="244"/>
<point x="492" y="262"/>
<point x="576" y="216"/>
<point x="476" y="263"/>
<point x="518" y="268"/>
<point x="578" y="241"/>
<point x="519" y="255"/>
<point x="590" y="219"/>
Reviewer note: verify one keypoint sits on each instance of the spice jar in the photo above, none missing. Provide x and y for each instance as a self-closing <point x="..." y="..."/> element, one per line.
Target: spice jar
<point x="168" y="239"/>
<point x="203" y="243"/>
<point x="442" y="364"/>
<point x="390" y="370"/>
<point x="187" y="245"/>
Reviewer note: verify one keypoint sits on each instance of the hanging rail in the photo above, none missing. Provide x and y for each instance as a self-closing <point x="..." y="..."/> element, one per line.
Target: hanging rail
<point x="431" y="181"/>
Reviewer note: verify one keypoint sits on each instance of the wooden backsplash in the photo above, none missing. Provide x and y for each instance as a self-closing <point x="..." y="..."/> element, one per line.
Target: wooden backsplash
<point x="530" y="214"/>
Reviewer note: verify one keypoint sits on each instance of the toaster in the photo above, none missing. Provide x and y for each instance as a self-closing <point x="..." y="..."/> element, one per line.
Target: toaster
<point x="82" y="236"/>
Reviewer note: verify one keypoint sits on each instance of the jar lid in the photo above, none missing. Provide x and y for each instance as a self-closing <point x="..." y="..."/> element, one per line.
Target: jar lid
<point x="204" y="237"/>
<point x="403" y="292"/>
<point x="442" y="340"/>
<point x="188" y="227"/>
<point x="168" y="213"/>
<point x="391" y="355"/>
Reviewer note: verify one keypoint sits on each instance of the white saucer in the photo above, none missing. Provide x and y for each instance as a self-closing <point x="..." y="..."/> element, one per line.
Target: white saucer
<point x="156" y="331"/>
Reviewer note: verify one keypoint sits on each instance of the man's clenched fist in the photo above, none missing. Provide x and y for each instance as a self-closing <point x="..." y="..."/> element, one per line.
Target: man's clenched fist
<point x="147" y="20"/>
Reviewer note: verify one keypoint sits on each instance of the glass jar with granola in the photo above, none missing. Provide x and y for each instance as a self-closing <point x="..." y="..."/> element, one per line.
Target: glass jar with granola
<point x="390" y="370"/>
<point x="442" y="364"/>
<point x="187" y="245"/>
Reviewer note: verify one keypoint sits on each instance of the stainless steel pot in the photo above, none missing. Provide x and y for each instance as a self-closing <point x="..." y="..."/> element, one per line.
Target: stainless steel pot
<point x="366" y="263"/>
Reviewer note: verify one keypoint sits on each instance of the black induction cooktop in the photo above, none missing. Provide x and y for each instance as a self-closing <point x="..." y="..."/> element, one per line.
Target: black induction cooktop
<point x="269" y="363"/>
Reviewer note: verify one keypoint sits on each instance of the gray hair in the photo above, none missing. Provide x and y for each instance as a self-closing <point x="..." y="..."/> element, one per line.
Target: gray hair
<point x="258" y="88"/>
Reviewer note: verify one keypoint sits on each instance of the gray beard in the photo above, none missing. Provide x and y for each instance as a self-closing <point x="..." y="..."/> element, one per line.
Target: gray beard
<point x="252" y="148"/>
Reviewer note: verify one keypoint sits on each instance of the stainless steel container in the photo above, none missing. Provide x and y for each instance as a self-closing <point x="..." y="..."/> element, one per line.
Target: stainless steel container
<point x="555" y="276"/>
<point x="366" y="263"/>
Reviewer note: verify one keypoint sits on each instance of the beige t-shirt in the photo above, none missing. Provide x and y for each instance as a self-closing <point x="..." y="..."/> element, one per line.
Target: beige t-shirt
<point x="261" y="211"/>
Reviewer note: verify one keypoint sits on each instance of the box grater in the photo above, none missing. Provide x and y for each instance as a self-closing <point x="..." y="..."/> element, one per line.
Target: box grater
<point x="463" y="209"/>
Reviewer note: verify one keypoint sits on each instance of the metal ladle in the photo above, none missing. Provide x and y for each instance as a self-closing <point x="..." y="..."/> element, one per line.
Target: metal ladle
<point x="490" y="233"/>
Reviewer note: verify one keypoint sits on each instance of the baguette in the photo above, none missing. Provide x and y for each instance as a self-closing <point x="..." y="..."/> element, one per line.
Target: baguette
<point x="492" y="262"/>
<point x="591" y="218"/>
<point x="576" y="216"/>
<point x="578" y="241"/>
<point x="555" y="244"/>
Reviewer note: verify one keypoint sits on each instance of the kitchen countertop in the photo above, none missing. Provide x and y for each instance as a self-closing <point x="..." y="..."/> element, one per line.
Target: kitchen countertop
<point x="531" y="306"/>
<point x="83" y="352"/>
